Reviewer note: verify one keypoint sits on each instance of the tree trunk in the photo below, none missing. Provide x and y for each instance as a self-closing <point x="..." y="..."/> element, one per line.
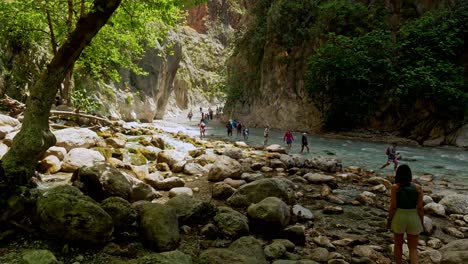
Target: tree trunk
<point x="394" y="9"/>
<point x="35" y="137"/>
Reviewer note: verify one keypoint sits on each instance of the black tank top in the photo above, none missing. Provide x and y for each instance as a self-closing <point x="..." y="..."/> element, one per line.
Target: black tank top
<point x="407" y="197"/>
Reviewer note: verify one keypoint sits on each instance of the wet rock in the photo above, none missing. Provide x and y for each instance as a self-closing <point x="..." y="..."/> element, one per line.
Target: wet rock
<point x="64" y="212"/>
<point x="180" y="191"/>
<point x="79" y="157"/>
<point x="276" y="148"/>
<point x="271" y="214"/>
<point x="50" y="164"/>
<point x="71" y="138"/>
<point x="171" y="157"/>
<point x="158" y="142"/>
<point x="101" y="181"/>
<point x="169" y="257"/>
<point x="231" y="223"/>
<point x="159" y="226"/>
<point x="191" y="211"/>
<point x="455" y="203"/>
<point x="224" y="167"/>
<point x="121" y="211"/>
<point x="256" y="191"/>
<point x="250" y="177"/>
<point x="324" y="164"/>
<point x="301" y="213"/>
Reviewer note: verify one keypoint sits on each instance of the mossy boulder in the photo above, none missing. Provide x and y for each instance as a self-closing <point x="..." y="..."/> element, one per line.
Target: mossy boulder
<point x="121" y="211"/>
<point x="101" y="181"/>
<point x="231" y="223"/>
<point x="65" y="213"/>
<point x="159" y="226"/>
<point x="38" y="257"/>
<point x="191" y="211"/>
<point x="169" y="257"/>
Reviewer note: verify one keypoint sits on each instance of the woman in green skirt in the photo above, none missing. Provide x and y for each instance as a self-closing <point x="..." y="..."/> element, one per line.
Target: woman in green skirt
<point x="406" y="213"/>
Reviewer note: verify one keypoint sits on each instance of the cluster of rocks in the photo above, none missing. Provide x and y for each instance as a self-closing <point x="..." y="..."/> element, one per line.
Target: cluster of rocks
<point x="236" y="203"/>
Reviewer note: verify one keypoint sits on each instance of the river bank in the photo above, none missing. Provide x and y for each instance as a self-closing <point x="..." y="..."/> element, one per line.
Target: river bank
<point x="319" y="211"/>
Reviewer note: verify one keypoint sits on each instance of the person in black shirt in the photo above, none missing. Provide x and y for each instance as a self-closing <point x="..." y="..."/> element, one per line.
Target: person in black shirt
<point x="304" y="143"/>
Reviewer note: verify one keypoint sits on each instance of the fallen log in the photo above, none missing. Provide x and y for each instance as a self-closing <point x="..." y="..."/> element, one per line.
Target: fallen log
<point x="79" y="115"/>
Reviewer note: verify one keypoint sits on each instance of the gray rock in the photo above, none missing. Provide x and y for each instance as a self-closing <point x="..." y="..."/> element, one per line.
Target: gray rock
<point x="276" y="163"/>
<point x="429" y="256"/>
<point x="192" y="168"/>
<point x="256" y="191"/>
<point x="101" y="181"/>
<point x="234" y="183"/>
<point x="159" y="226"/>
<point x="80" y="157"/>
<point x="64" y="212"/>
<point x="234" y="153"/>
<point x="295" y="233"/>
<point x="455" y="203"/>
<point x="288" y="161"/>
<point x="276" y="148"/>
<point x="250" y="177"/>
<point x="59" y="152"/>
<point x="427" y="200"/>
<point x="319" y="254"/>
<point x="434" y="243"/>
<point x="171" y="157"/>
<point x="231" y="223"/>
<point x="455" y="252"/>
<point x="316" y="178"/>
<point x="428" y="225"/>
<point x="180" y="191"/>
<point x="222" y="191"/>
<point x="302" y="213"/>
<point x="224" y="167"/>
<point x="324" y="164"/>
<point x="158" y="142"/>
<point x="434" y="209"/>
<point x="168" y="184"/>
<point x="453" y="232"/>
<point x="71" y="138"/>
<point x="191" y="211"/>
<point x="169" y="257"/>
<point x="222" y="255"/>
<point x="270" y="213"/>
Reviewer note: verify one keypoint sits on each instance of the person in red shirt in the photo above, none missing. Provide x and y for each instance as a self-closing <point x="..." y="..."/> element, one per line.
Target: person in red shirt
<point x="289" y="138"/>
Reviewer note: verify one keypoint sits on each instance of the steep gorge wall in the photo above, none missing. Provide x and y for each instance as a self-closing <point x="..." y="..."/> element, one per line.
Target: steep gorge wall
<point x="267" y="85"/>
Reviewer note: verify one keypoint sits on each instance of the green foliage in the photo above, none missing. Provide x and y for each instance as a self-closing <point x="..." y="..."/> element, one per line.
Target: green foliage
<point x="84" y="101"/>
<point x="350" y="75"/>
<point x="342" y="77"/>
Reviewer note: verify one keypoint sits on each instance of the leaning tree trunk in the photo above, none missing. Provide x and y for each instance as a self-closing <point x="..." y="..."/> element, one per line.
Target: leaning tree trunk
<point x="35" y="137"/>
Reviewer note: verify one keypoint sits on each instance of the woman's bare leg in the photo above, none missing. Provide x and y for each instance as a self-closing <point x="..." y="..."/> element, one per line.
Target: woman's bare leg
<point x="413" y="248"/>
<point x="398" y="247"/>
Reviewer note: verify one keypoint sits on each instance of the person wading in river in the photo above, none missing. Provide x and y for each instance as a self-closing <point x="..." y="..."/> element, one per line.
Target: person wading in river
<point x="266" y="134"/>
<point x="391" y="156"/>
<point x="289" y="138"/>
<point x="202" y="126"/>
<point x="304" y="143"/>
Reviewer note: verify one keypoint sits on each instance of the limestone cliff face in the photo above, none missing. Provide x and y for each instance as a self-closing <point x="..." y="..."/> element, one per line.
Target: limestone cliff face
<point x="186" y="72"/>
<point x="267" y="87"/>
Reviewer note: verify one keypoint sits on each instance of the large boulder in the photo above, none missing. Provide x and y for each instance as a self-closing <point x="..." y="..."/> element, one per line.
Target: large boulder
<point x="71" y="138"/>
<point x="191" y="211"/>
<point x="38" y="257"/>
<point x="258" y="190"/>
<point x="192" y="168"/>
<point x="142" y="191"/>
<point x="234" y="153"/>
<point x="251" y="247"/>
<point x="79" y="157"/>
<point x="222" y="255"/>
<point x="455" y="252"/>
<point x="269" y="214"/>
<point x="121" y="211"/>
<point x="317" y="178"/>
<point x="64" y="212"/>
<point x="50" y="164"/>
<point x="169" y="257"/>
<point x="159" y="226"/>
<point x="455" y="203"/>
<point x="171" y="157"/>
<point x="224" y="167"/>
<point x="6" y="120"/>
<point x="324" y="164"/>
<point x="276" y="148"/>
<point x="4" y="130"/>
<point x="3" y="150"/>
<point x="101" y="181"/>
<point x="59" y="152"/>
<point x="231" y="223"/>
